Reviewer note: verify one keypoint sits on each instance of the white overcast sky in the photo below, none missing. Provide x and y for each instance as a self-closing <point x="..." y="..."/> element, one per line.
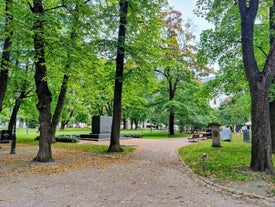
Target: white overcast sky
<point x="186" y="7"/>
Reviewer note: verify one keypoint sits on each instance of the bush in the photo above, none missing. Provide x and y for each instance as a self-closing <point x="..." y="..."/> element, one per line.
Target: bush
<point x="133" y="135"/>
<point x="67" y="138"/>
<point x="64" y="138"/>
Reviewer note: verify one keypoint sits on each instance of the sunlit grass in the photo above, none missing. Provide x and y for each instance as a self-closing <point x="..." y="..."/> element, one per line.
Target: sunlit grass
<point x="229" y="162"/>
<point x="29" y="139"/>
<point x="154" y="134"/>
<point x="89" y="147"/>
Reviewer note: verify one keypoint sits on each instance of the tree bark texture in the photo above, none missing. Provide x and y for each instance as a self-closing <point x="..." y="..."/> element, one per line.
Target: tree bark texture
<point x="272" y="124"/>
<point x="5" y="61"/>
<point x="259" y="84"/>
<point x="42" y="90"/>
<point x="115" y="134"/>
<point x="261" y="153"/>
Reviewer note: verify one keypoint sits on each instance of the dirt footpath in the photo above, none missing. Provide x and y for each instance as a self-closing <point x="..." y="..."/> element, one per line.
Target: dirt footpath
<point x="153" y="176"/>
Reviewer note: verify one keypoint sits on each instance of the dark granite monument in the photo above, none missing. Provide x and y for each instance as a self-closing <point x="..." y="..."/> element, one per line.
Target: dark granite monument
<point x="101" y="128"/>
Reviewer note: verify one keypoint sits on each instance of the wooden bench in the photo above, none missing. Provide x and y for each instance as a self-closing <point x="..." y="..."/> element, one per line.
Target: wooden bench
<point x="197" y="136"/>
<point x="194" y="137"/>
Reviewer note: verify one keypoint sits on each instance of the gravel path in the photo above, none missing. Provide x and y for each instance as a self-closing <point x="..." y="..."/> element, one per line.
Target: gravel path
<point x="154" y="176"/>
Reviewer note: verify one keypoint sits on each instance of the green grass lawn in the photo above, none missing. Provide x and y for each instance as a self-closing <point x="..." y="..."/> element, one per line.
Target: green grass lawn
<point x="24" y="137"/>
<point x="27" y="137"/>
<point x="229" y="162"/>
<point x="154" y="134"/>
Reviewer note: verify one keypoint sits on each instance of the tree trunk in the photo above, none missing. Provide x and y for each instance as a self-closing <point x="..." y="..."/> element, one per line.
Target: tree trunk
<point x="124" y="124"/>
<point x="136" y="124"/>
<point x="272" y="124"/>
<point x="115" y="134"/>
<point x="60" y="103"/>
<point x="172" y="90"/>
<point x="12" y="121"/>
<point x="259" y="84"/>
<point x="132" y="124"/>
<point x="42" y="90"/>
<point x="261" y="159"/>
<point x="65" y="122"/>
<point x="15" y="110"/>
<point x="5" y="60"/>
<point x="171" y="123"/>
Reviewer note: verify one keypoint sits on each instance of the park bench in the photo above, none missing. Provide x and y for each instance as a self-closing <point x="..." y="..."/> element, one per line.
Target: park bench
<point x="194" y="137"/>
<point x="197" y="136"/>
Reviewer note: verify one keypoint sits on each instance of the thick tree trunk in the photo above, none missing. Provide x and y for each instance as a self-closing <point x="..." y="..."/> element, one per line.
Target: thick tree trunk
<point x="115" y="134"/>
<point x="5" y="60"/>
<point x="42" y="90"/>
<point x="259" y="83"/>
<point x="261" y="159"/>
<point x="272" y="124"/>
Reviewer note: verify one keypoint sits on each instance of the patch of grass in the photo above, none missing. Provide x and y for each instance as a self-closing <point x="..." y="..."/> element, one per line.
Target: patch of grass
<point x="28" y="139"/>
<point x="229" y="162"/>
<point x="91" y="148"/>
<point x="155" y="134"/>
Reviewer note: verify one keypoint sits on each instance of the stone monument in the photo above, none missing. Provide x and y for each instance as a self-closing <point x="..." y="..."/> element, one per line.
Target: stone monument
<point x="226" y="134"/>
<point x="216" y="137"/>
<point x="101" y="128"/>
<point x="246" y="134"/>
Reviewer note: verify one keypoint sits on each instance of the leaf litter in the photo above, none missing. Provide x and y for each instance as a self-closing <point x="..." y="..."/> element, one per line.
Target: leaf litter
<point x="21" y="163"/>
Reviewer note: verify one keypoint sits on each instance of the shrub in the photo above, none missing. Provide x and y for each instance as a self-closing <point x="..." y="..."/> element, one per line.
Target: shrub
<point x="67" y="138"/>
<point x="133" y="135"/>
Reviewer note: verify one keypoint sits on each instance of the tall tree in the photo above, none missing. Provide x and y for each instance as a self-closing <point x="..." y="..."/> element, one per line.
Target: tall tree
<point x="115" y="134"/>
<point x="6" y="51"/>
<point x="180" y="59"/>
<point x="259" y="84"/>
<point x="42" y="90"/>
<point x="244" y="22"/>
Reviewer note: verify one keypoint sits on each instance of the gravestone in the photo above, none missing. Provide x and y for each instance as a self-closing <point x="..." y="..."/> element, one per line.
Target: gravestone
<point x="101" y="128"/>
<point x="246" y="135"/>
<point x="226" y="134"/>
<point x="216" y="137"/>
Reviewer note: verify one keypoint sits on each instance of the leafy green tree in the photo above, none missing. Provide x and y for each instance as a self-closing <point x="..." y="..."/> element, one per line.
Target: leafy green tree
<point x="42" y="89"/>
<point x="180" y="60"/>
<point x="115" y="134"/>
<point x="6" y="50"/>
<point x="235" y="110"/>
<point x="240" y="27"/>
